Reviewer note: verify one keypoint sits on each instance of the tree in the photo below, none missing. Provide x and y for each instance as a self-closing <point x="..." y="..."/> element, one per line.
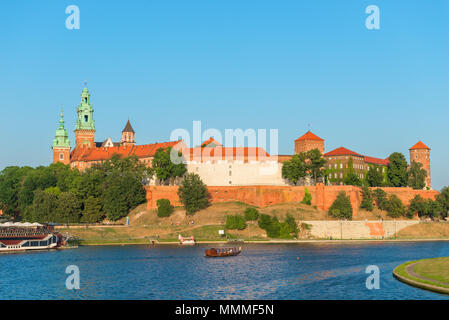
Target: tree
<point x="164" y="208"/>
<point x="352" y="179"/>
<point x="295" y="169"/>
<point x="380" y="197"/>
<point x="315" y="163"/>
<point x="166" y="169"/>
<point x="443" y="201"/>
<point x="397" y="170"/>
<point x="92" y="212"/>
<point x="307" y="197"/>
<point x="68" y="209"/>
<point x="43" y="207"/>
<point x="289" y="228"/>
<point x="193" y="194"/>
<point x="341" y="207"/>
<point x="374" y="177"/>
<point x="395" y="207"/>
<point x="251" y="214"/>
<point x="417" y="176"/>
<point x="264" y="221"/>
<point x="367" y="199"/>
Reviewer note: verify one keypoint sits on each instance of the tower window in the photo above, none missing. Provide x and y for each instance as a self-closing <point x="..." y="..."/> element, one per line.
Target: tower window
<point x="85" y="100"/>
<point x="86" y="118"/>
<point x="61" y="156"/>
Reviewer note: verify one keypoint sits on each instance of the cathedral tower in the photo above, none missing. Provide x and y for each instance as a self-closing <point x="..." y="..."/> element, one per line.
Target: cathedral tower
<point x="85" y="124"/>
<point x="61" y="144"/>
<point x="128" y="135"/>
<point x="421" y="153"/>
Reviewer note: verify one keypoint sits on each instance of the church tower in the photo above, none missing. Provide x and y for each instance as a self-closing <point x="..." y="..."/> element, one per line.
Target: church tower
<point x="128" y="135"/>
<point x="85" y="124"/>
<point x="421" y="153"/>
<point x="61" y="144"/>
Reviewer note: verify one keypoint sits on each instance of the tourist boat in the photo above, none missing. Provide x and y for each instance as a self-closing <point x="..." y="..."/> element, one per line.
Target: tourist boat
<point x="186" y="241"/>
<point x="223" y="252"/>
<point x="28" y="236"/>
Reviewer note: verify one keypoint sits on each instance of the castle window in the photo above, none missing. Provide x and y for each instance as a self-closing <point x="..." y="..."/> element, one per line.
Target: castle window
<point x="61" y="156"/>
<point x="86" y="118"/>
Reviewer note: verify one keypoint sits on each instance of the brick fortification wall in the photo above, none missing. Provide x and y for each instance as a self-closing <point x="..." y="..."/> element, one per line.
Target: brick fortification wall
<point x="262" y="196"/>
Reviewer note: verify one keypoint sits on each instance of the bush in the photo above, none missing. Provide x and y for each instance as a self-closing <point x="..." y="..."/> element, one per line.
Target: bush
<point x="341" y="207"/>
<point x="394" y="206"/>
<point x="264" y="221"/>
<point x="193" y="194"/>
<point x="424" y="208"/>
<point x="380" y="197"/>
<point x="443" y="201"/>
<point x="236" y="222"/>
<point x="251" y="214"/>
<point x="367" y="199"/>
<point x="275" y="229"/>
<point x="164" y="208"/>
<point x="307" y="197"/>
<point x="289" y="228"/>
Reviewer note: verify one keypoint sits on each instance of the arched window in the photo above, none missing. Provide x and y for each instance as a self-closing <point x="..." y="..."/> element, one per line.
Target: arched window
<point x="86" y="118"/>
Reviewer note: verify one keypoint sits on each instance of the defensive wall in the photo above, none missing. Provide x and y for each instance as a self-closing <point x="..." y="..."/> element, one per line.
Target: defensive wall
<point x="262" y="196"/>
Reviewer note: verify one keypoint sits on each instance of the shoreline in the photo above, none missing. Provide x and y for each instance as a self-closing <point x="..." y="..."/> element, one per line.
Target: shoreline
<point x="339" y="241"/>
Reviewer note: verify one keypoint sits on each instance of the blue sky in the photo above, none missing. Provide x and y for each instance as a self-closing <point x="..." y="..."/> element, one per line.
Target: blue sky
<point x="231" y="64"/>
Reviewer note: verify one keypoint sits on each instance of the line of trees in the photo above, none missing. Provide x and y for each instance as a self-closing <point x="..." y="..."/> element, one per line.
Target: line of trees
<point x="57" y="193"/>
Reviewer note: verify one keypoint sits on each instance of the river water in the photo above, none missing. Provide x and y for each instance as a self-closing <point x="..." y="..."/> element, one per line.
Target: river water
<point x="262" y="271"/>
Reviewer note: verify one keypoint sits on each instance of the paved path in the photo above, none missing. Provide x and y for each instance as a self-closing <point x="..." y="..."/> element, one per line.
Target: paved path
<point x="410" y="271"/>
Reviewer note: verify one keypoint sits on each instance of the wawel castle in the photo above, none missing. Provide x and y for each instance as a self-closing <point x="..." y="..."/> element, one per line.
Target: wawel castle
<point x="217" y="165"/>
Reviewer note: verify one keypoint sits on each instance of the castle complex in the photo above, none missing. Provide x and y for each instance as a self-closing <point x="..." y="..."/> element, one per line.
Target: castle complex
<point x="217" y="165"/>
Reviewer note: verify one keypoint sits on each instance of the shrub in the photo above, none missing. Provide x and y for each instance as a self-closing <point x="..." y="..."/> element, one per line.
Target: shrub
<point x="367" y="199"/>
<point x="164" y="208"/>
<point x="443" y="201"/>
<point x="193" y="194"/>
<point x="251" y="214"/>
<point x="264" y="221"/>
<point x="394" y="206"/>
<point x="307" y="197"/>
<point x="289" y="228"/>
<point x="341" y="207"/>
<point x="424" y="208"/>
<point x="380" y="197"/>
<point x="236" y="222"/>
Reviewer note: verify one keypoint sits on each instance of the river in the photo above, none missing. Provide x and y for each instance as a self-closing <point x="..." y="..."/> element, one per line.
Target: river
<point x="262" y="271"/>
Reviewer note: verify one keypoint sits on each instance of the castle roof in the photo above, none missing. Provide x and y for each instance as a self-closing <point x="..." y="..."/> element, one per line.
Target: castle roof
<point x="309" y="136"/>
<point x="383" y="162"/>
<point x="244" y="154"/>
<point x="211" y="141"/>
<point x="342" y="152"/>
<point x="419" y="145"/>
<point x="128" y="127"/>
<point x="104" y="153"/>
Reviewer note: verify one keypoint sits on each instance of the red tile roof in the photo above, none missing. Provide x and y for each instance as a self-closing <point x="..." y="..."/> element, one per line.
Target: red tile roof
<point x="342" y="152"/>
<point x="96" y="154"/>
<point x="226" y="153"/>
<point x="309" y="136"/>
<point x="419" y="145"/>
<point x="383" y="162"/>
<point x="209" y="141"/>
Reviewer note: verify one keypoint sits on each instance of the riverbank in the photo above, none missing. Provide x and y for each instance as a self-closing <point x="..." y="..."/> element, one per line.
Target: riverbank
<point x="427" y="274"/>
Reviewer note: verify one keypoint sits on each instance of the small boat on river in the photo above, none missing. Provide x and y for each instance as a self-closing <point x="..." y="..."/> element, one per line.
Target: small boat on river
<point x="186" y="241"/>
<point x="223" y="252"/>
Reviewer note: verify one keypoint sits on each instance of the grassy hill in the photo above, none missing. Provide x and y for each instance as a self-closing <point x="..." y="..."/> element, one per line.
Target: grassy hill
<point x="204" y="225"/>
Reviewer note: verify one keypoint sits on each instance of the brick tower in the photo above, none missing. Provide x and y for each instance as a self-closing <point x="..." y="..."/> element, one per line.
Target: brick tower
<point x="421" y="153"/>
<point x="61" y="144"/>
<point x="85" y="124"/>
<point x="309" y="141"/>
<point x="128" y="135"/>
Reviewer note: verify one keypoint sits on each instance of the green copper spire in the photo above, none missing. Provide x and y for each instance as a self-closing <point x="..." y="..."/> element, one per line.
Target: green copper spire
<point x="61" y="139"/>
<point x="85" y="112"/>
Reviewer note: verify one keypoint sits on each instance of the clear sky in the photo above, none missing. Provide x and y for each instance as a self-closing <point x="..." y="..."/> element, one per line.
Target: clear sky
<point x="231" y="64"/>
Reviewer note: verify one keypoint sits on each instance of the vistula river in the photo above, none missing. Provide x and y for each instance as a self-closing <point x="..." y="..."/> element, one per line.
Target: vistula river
<point x="262" y="271"/>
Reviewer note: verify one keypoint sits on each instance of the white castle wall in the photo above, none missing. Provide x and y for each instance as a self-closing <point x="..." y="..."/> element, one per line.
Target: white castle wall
<point x="238" y="173"/>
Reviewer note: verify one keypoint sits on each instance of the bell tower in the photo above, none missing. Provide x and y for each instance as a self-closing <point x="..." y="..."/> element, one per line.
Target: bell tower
<point x="128" y="135"/>
<point x="85" y="124"/>
<point x="421" y="153"/>
<point x="61" y="144"/>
